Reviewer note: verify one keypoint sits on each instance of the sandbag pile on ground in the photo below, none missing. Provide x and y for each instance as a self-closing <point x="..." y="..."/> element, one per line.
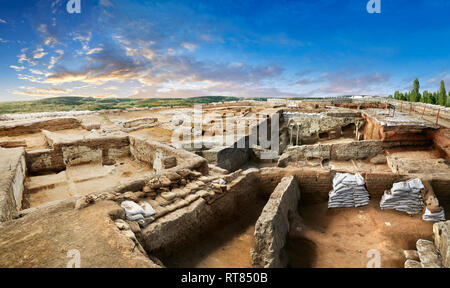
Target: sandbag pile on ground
<point x="136" y="212"/>
<point x="348" y="191"/>
<point x="404" y="196"/>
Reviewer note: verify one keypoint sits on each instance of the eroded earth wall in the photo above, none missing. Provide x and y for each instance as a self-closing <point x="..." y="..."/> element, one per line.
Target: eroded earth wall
<point x="273" y="225"/>
<point x="13" y="171"/>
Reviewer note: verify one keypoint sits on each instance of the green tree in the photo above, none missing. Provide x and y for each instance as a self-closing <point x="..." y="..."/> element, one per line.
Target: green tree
<point x="434" y="98"/>
<point x="397" y="95"/>
<point x="425" y="97"/>
<point x="415" y="93"/>
<point x="442" y="94"/>
<point x="408" y="96"/>
<point x="403" y="97"/>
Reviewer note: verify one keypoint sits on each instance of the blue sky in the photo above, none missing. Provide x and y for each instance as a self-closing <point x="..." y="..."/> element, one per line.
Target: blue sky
<point x="236" y="48"/>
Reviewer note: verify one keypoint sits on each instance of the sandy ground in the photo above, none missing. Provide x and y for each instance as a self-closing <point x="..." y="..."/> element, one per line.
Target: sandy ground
<point x="342" y="237"/>
<point x="227" y="246"/>
<point x="155" y="134"/>
<point x="43" y="239"/>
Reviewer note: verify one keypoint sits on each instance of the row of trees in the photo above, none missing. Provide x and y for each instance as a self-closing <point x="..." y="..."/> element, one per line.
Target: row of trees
<point x="439" y="97"/>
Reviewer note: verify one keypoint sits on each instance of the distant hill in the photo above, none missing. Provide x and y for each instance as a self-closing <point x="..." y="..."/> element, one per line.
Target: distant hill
<point x="89" y="103"/>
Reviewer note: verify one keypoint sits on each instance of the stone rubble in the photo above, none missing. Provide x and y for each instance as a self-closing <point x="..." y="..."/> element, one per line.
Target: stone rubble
<point x="404" y="196"/>
<point x="428" y="254"/>
<point x="412" y="264"/>
<point x="348" y="191"/>
<point x="411" y="255"/>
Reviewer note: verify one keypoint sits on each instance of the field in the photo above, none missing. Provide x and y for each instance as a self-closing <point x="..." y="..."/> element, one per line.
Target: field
<point x="89" y="103"/>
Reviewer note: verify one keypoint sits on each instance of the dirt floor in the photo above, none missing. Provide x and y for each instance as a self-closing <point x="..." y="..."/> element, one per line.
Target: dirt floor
<point x="225" y="247"/>
<point x="157" y="134"/>
<point x="43" y="239"/>
<point x="34" y="141"/>
<point x="81" y="180"/>
<point x="342" y="237"/>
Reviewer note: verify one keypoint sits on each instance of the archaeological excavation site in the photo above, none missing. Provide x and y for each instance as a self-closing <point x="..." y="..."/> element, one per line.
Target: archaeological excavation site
<point x="330" y="183"/>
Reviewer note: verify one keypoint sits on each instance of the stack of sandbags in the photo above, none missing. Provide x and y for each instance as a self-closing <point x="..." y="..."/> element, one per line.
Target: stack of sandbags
<point x="436" y="215"/>
<point x="137" y="212"/>
<point x="348" y="191"/>
<point x="433" y="212"/>
<point x="404" y="196"/>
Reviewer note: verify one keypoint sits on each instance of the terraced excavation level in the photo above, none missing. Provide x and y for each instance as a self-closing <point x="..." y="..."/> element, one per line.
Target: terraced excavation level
<point x="269" y="184"/>
<point x="226" y="246"/>
<point x="80" y="180"/>
<point x="343" y="237"/>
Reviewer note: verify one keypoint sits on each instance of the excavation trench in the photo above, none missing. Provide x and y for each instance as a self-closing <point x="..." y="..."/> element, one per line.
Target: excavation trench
<point x="222" y="234"/>
<point x="226" y="245"/>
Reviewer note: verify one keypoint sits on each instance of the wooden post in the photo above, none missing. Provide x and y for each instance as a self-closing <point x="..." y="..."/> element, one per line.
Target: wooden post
<point x="401" y="106"/>
<point x="410" y="108"/>
<point x="437" y="116"/>
<point x="423" y="112"/>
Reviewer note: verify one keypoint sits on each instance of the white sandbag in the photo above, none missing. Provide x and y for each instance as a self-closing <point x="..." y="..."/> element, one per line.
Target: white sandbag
<point x="433" y="217"/>
<point x="136" y="217"/>
<point x="148" y="209"/>
<point x="415" y="184"/>
<point x="131" y="208"/>
<point x="348" y="191"/>
<point x="404" y="196"/>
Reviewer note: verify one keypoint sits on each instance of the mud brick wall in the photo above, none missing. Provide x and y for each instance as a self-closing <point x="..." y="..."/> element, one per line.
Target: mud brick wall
<point x="441" y="140"/>
<point x="314" y="185"/>
<point x="149" y="151"/>
<point x="377" y="183"/>
<point x="44" y="161"/>
<point x="104" y="149"/>
<point x="177" y="230"/>
<point x="29" y="127"/>
<point x="441" y="188"/>
<point x="272" y="225"/>
<point x="13" y="171"/>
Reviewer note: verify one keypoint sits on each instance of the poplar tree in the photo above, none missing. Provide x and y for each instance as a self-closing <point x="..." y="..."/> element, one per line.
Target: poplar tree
<point x="442" y="94"/>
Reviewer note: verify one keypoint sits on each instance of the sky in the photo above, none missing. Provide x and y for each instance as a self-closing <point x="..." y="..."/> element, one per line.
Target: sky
<point x="166" y="49"/>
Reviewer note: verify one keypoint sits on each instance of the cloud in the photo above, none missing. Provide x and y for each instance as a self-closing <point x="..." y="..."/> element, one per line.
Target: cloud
<point x="17" y="68"/>
<point x="41" y="92"/>
<point x="30" y="78"/>
<point x="95" y="50"/>
<point x="37" y="72"/>
<point x="189" y="46"/>
<point x="82" y="38"/>
<point x="49" y="37"/>
<point x="350" y="82"/>
<point x="26" y="57"/>
<point x="105" y="66"/>
<point x="106" y="3"/>
<point x="55" y="59"/>
<point x="111" y="88"/>
<point x="3" y="40"/>
<point x="39" y="53"/>
<point x="306" y="81"/>
<point x="3" y="21"/>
